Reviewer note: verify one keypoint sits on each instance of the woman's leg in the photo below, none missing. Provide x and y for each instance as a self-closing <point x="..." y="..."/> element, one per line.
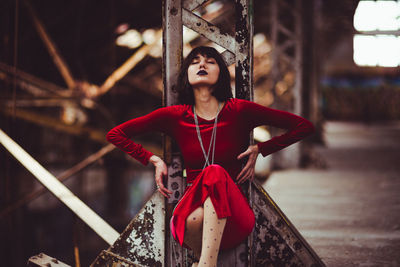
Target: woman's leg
<point x="212" y="234"/>
<point x="194" y="231"/>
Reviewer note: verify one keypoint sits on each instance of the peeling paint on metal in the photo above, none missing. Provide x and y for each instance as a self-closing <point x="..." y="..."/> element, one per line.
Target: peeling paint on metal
<point x="143" y="240"/>
<point x="107" y="258"/>
<point x="276" y="241"/>
<point x="208" y="30"/>
<point x="175" y="179"/>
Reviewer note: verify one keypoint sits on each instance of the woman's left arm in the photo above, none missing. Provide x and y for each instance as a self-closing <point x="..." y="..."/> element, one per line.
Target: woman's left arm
<point x="297" y="128"/>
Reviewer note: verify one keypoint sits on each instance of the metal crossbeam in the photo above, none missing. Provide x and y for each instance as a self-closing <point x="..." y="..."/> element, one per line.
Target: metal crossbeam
<point x="192" y="5"/>
<point x="94" y="221"/>
<point x="208" y="30"/>
<point x="62" y="177"/>
<point x="275" y="241"/>
<point x="283" y="38"/>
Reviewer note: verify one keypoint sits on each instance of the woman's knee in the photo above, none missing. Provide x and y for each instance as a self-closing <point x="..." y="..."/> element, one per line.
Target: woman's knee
<point x="194" y="222"/>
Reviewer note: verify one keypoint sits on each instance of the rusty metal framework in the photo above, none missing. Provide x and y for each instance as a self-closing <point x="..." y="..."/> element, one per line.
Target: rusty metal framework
<point x="103" y="229"/>
<point x="275" y="241"/>
<point x="146" y="241"/>
<point x="286" y="40"/>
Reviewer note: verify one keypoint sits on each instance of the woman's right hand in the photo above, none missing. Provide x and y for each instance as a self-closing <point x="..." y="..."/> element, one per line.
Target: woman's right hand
<point x="161" y="172"/>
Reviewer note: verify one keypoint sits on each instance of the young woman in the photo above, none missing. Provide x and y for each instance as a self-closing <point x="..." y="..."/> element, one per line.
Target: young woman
<point x="212" y="130"/>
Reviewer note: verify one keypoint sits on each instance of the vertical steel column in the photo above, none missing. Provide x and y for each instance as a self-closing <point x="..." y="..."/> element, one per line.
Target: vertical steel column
<point x="172" y="61"/>
<point x="244" y="49"/>
<point x="285" y="37"/>
<point x="274" y="241"/>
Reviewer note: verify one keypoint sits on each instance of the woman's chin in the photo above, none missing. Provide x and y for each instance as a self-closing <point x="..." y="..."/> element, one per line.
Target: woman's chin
<point x="202" y="83"/>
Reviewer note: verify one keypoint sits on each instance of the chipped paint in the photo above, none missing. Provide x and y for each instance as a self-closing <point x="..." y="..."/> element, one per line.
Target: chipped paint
<point x="208" y="30"/>
<point x="143" y="242"/>
<point x="109" y="259"/>
<point x="276" y="242"/>
<point x="175" y="179"/>
<point x="172" y="61"/>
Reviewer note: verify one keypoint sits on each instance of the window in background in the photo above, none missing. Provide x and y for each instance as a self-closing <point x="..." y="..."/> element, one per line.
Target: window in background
<point x="377" y="42"/>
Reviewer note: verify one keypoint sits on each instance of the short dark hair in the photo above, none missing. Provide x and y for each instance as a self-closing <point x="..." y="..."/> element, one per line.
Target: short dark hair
<point x="222" y="89"/>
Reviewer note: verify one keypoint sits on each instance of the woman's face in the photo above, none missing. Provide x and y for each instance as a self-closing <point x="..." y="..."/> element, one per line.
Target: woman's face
<point x="203" y="71"/>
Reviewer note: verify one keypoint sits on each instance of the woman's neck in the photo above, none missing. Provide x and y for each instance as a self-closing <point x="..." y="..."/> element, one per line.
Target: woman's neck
<point x="206" y="104"/>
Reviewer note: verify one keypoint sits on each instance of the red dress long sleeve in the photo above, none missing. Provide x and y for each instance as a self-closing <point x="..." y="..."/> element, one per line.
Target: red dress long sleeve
<point x="236" y="120"/>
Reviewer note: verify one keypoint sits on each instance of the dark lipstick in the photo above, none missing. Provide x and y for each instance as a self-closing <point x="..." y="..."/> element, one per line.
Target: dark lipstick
<point x="202" y="72"/>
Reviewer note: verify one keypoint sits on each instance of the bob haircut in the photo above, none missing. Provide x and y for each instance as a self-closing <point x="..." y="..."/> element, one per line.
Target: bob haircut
<point x="222" y="89"/>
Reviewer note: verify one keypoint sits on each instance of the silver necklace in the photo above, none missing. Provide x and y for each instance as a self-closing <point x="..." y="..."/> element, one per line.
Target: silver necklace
<point x="212" y="140"/>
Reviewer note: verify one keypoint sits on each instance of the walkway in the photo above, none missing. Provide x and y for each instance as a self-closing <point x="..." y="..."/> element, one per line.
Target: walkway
<point x="350" y="211"/>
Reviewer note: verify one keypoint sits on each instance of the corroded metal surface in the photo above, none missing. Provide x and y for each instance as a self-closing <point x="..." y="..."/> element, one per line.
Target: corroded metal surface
<point x="175" y="181"/>
<point x="172" y="61"/>
<point x="208" y="30"/>
<point x="192" y="4"/>
<point x="143" y="242"/>
<point x="286" y="40"/>
<point x="229" y="57"/>
<point x="276" y="242"/>
<point x="44" y="260"/>
<point x="234" y="257"/>
<point x="244" y="49"/>
<point x="109" y="259"/>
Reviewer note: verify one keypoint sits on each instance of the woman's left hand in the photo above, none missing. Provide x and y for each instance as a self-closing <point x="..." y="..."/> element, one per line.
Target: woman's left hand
<point x="248" y="171"/>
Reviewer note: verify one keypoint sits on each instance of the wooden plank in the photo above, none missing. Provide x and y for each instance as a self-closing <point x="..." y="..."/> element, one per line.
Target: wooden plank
<point x="94" y="221"/>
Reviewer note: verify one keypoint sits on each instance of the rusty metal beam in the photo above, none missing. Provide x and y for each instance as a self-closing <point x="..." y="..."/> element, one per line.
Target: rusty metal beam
<point x="32" y="84"/>
<point x="142" y="241"/>
<point x="229" y="57"/>
<point x="276" y="241"/>
<point x="94" y="221"/>
<point x="49" y="102"/>
<point x="47" y="121"/>
<point x="51" y="122"/>
<point x="42" y="260"/>
<point x="208" y="30"/>
<point x="244" y="49"/>
<point x="172" y="62"/>
<point x="62" y="178"/>
<point x="193" y="4"/>
<point x="51" y="47"/>
<point x="107" y="258"/>
<point x="127" y="66"/>
<point x="282" y="62"/>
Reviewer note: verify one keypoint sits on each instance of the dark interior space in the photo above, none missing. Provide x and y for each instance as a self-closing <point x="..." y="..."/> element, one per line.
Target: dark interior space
<point x="59" y="98"/>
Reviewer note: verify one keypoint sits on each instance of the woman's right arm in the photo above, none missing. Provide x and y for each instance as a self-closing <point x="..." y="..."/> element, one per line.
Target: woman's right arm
<point x="158" y="120"/>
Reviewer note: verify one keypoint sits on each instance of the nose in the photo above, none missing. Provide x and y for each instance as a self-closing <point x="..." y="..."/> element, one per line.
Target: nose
<point x="202" y="64"/>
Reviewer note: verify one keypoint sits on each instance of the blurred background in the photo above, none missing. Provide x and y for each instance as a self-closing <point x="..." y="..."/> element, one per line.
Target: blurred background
<point x="72" y="70"/>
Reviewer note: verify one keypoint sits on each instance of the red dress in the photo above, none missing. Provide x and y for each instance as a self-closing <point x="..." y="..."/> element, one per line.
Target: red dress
<point x="235" y="121"/>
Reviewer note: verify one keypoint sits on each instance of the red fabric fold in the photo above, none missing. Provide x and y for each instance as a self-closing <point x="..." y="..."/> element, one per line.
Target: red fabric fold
<point x="229" y="202"/>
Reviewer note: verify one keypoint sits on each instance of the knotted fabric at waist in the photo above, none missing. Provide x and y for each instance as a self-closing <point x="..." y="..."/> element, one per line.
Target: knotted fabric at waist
<point x="193" y="173"/>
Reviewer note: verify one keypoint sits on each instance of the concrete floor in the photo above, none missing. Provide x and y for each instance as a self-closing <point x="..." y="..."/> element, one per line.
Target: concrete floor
<point x="350" y="211"/>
